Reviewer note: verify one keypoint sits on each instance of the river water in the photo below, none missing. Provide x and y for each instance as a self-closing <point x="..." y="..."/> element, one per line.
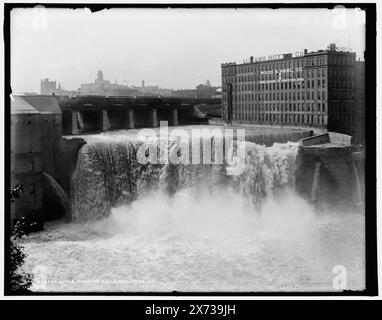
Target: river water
<point x="190" y="228"/>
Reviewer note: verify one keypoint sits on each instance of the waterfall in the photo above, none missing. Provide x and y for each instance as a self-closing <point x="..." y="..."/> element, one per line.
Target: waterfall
<point x="80" y="121"/>
<point x="358" y="184"/>
<point x="316" y="175"/>
<point x="108" y="174"/>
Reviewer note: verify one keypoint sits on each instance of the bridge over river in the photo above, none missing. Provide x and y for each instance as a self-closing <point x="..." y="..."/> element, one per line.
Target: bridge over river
<point x="82" y="114"/>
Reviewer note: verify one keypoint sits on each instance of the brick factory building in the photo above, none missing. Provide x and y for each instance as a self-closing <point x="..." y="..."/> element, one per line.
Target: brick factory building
<point x="320" y="89"/>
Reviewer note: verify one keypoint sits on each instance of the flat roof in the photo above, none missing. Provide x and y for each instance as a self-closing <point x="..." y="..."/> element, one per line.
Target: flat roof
<point x="308" y="54"/>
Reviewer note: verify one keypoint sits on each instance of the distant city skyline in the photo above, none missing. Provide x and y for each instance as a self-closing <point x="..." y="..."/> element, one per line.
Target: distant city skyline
<point x="170" y="48"/>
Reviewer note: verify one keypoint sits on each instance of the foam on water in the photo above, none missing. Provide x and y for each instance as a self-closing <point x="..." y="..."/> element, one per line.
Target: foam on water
<point x="109" y="174"/>
<point x="195" y="242"/>
<point x="162" y="227"/>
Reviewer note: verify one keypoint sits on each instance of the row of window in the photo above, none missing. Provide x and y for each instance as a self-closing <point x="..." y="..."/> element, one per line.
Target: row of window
<point x="278" y="75"/>
<point x="341" y="72"/>
<point x="341" y="107"/>
<point x="341" y="119"/>
<point x="316" y="61"/>
<point x="291" y="75"/>
<point x="265" y="86"/>
<point x="341" y="83"/>
<point x="270" y="66"/>
<point x="295" y="107"/>
<point x="294" y="63"/>
<point x="341" y="95"/>
<point x="296" y="85"/>
<point x="292" y="119"/>
<point x="281" y="96"/>
<point x="341" y="60"/>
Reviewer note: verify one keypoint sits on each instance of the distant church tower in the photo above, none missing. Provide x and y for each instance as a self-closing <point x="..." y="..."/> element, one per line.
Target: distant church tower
<point x="47" y="86"/>
<point x="100" y="77"/>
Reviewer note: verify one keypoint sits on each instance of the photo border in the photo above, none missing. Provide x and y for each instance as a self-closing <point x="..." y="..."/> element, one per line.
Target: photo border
<point x="371" y="271"/>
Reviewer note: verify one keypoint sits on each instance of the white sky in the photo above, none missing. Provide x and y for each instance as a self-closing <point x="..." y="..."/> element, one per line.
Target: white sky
<point x="172" y="48"/>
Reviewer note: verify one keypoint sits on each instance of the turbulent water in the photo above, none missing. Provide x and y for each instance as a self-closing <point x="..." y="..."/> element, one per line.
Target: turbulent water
<point x="185" y="227"/>
<point x="109" y="174"/>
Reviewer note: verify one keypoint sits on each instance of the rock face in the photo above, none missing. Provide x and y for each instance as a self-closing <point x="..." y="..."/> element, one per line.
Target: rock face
<point x="340" y="177"/>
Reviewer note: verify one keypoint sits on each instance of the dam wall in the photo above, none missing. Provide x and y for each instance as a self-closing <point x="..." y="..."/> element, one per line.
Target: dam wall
<point x="340" y="177"/>
<point x="35" y="149"/>
<point x="57" y="160"/>
<point x="281" y="137"/>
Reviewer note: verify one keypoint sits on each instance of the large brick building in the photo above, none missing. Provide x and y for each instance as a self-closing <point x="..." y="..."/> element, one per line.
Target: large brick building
<point x="315" y="89"/>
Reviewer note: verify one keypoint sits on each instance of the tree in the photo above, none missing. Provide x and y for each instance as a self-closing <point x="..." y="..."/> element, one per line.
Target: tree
<point x="20" y="282"/>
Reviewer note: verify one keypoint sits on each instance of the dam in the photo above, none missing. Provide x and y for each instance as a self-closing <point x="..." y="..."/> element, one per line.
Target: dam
<point x="282" y="223"/>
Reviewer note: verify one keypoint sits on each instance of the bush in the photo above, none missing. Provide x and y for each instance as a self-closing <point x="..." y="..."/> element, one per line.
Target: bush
<point x="20" y="282"/>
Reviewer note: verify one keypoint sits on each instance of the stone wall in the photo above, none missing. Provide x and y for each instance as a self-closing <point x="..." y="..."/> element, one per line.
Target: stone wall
<point x="26" y="164"/>
<point x="269" y="139"/>
<point x="337" y="178"/>
<point x="316" y="139"/>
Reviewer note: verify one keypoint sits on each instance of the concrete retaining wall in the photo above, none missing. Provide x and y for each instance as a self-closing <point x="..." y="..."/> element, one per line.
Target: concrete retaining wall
<point x="337" y="181"/>
<point x="269" y="139"/>
<point x="26" y="164"/>
<point x="315" y="140"/>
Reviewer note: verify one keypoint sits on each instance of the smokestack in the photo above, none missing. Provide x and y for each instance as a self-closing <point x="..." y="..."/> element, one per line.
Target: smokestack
<point x="143" y="83"/>
<point x="305" y="51"/>
<point x="332" y="47"/>
<point x="251" y="59"/>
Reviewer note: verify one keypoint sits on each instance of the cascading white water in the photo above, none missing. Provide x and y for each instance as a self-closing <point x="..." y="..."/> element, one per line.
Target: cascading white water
<point x="316" y="175"/>
<point x="358" y="184"/>
<point x="108" y="174"/>
<point x="165" y="227"/>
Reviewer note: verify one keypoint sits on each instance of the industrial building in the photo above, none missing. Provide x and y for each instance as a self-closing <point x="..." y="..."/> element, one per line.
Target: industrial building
<point x="35" y="143"/>
<point x="321" y="89"/>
